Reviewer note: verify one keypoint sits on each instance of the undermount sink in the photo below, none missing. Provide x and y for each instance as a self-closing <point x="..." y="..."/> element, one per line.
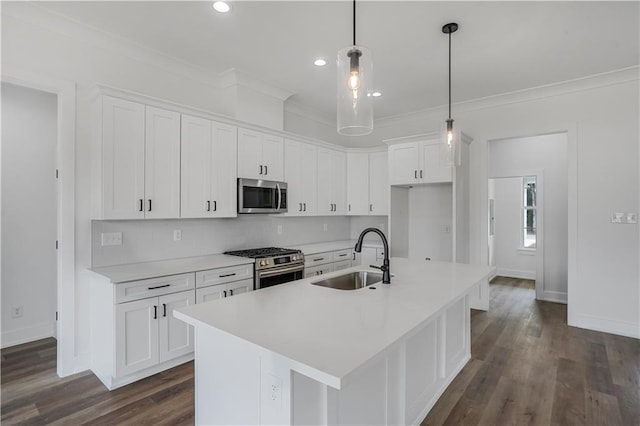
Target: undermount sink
<point x="351" y="281"/>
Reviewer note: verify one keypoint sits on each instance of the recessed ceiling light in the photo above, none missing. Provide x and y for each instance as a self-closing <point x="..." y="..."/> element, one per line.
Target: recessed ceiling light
<point x="221" y="6"/>
<point x="319" y="62"/>
<point x="376" y="94"/>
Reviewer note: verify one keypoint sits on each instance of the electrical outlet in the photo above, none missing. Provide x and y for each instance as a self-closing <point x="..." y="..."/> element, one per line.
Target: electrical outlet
<point x="17" y="311"/>
<point x="279" y="229"/>
<point x="274" y="389"/>
<point x="632" y="217"/>
<point x="111" y="239"/>
<point x="177" y="235"/>
<point x="447" y="229"/>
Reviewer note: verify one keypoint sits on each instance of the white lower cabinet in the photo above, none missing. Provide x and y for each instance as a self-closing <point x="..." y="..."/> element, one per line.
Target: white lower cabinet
<point x="133" y="331"/>
<point x="221" y="291"/>
<point x="330" y="261"/>
<point x="219" y="283"/>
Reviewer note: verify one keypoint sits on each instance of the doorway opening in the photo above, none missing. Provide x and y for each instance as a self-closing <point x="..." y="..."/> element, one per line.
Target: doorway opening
<point x="29" y="214"/>
<point x="528" y="212"/>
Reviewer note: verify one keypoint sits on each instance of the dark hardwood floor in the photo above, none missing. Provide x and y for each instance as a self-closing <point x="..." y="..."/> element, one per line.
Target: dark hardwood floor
<point x="527" y="367"/>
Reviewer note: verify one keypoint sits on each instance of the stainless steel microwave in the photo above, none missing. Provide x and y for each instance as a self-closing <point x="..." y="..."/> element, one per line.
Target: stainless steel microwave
<point x="261" y="196"/>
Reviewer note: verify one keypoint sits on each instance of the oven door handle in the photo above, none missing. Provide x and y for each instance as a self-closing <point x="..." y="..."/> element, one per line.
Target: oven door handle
<point x="280" y="271"/>
<point x="279" y="194"/>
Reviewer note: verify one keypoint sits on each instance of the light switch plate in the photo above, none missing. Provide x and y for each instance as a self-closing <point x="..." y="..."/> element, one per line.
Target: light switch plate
<point x="617" y="217"/>
<point x="632" y="217"/>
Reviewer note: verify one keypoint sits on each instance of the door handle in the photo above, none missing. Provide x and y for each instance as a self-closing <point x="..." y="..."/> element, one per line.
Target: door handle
<point x="208" y="206"/>
<point x="164" y="309"/>
<point x="260" y="168"/>
<point x="266" y="170"/>
<point x="149" y="204"/>
<point x="155" y="312"/>
<point x="141" y="204"/>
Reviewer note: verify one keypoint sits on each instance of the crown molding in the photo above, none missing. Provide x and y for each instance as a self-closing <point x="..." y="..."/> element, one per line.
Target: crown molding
<point x="37" y="14"/>
<point x="310" y="113"/>
<point x="234" y="77"/>
<point x="591" y="82"/>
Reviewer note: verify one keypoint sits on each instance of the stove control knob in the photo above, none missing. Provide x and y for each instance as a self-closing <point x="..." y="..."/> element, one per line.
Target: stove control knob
<point x="294" y="258"/>
<point x="263" y="263"/>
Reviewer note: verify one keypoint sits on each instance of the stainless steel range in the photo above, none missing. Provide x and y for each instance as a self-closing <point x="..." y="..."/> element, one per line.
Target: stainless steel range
<point x="273" y="265"/>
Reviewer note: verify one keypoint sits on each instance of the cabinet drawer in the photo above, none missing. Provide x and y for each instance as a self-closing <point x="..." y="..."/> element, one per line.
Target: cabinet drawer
<point x="342" y="265"/>
<point x="317" y="270"/>
<point x="339" y="256"/>
<point x="135" y="290"/>
<point x="318" y="259"/>
<point x="224" y="275"/>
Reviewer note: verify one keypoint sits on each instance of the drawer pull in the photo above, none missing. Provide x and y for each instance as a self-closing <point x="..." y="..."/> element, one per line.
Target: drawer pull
<point x="318" y="259"/>
<point x="164" y="309"/>
<point x="155" y="312"/>
<point x="231" y="292"/>
<point x="226" y="275"/>
<point x="224" y="293"/>
<point x="342" y="255"/>
<point x="159" y="286"/>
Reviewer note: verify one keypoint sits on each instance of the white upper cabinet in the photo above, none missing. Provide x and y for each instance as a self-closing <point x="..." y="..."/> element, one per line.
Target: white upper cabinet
<point x="419" y="162"/>
<point x="140" y="161"/>
<point x="209" y="151"/>
<point x="301" y="175"/>
<point x="378" y="184"/>
<point x="162" y="164"/>
<point x="260" y="156"/>
<point x="357" y="184"/>
<point x="367" y="184"/>
<point x="332" y="182"/>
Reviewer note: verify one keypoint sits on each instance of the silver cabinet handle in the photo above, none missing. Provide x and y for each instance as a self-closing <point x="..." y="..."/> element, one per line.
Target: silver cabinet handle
<point x="279" y="194"/>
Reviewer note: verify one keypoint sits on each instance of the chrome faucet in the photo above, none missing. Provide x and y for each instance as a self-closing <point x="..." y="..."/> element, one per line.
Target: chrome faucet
<point x="386" y="274"/>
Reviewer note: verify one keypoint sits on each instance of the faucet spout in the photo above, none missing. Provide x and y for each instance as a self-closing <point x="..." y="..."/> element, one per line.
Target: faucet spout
<point x="386" y="273"/>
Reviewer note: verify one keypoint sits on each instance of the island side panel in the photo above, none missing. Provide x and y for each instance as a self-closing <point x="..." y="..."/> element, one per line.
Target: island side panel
<point x="237" y="383"/>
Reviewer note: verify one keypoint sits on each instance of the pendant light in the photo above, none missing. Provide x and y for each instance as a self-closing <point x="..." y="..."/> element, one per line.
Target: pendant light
<point x="355" y="79"/>
<point x="451" y="136"/>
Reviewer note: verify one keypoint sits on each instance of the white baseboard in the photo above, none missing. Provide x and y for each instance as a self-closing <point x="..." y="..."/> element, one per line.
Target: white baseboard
<point x="605" y="325"/>
<point x="27" y="334"/>
<point x="514" y="273"/>
<point x="554" y="296"/>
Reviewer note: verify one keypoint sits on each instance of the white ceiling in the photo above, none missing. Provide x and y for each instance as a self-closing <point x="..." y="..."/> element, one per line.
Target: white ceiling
<point x="500" y="47"/>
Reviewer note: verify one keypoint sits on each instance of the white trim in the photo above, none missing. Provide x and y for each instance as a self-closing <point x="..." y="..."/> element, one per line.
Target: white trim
<point x="606" y="325"/>
<point x="234" y="77"/>
<point x="554" y="296"/>
<point x="28" y="334"/>
<point x="515" y="273"/>
<point x="526" y="251"/>
<point x="66" y="92"/>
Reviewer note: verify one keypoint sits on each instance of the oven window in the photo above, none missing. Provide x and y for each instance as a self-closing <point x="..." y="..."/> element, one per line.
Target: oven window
<point x="279" y="279"/>
<point x="258" y="198"/>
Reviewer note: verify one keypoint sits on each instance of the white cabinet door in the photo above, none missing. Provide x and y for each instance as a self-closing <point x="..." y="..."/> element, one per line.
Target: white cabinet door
<point x="175" y="337"/>
<point x="300" y="173"/>
<point x="436" y="162"/>
<point x="250" y="154"/>
<point x="273" y="157"/>
<point x="224" y="173"/>
<point x="162" y="164"/>
<point x="123" y="128"/>
<point x="357" y="184"/>
<point x="207" y="294"/>
<point x="404" y="163"/>
<point x="378" y="184"/>
<point x="136" y="335"/>
<point x="196" y="154"/>
<point x="332" y="183"/>
<point x="239" y="287"/>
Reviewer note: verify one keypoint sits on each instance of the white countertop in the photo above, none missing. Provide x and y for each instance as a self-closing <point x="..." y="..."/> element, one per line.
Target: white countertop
<point x="333" y="246"/>
<point x="160" y="268"/>
<point x="327" y="334"/>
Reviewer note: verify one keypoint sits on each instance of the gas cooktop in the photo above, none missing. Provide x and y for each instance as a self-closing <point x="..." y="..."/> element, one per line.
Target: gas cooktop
<point x="258" y="253"/>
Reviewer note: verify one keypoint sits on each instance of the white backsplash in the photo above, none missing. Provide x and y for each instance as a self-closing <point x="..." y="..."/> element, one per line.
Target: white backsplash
<point x="149" y="240"/>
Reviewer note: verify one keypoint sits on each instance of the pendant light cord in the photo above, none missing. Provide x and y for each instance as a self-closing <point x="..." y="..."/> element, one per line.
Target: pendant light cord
<point x="449" y="76"/>
<point x="354" y="22"/>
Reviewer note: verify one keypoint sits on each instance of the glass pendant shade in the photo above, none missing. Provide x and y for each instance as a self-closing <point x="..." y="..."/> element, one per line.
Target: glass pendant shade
<point x="449" y="146"/>
<point x="355" y="87"/>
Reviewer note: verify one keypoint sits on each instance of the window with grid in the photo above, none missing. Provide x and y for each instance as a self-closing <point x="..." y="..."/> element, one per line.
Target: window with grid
<point x="529" y="212"/>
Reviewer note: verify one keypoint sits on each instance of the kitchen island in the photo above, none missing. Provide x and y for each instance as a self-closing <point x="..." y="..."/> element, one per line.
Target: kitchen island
<point x="299" y="353"/>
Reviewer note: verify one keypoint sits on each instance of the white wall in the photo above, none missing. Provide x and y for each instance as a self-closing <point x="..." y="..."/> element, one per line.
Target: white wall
<point x="29" y="138"/>
<point x="509" y="259"/>
<point x="148" y="240"/>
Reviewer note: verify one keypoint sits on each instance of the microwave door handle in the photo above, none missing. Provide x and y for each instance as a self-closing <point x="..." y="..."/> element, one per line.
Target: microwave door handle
<point x="279" y="194"/>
